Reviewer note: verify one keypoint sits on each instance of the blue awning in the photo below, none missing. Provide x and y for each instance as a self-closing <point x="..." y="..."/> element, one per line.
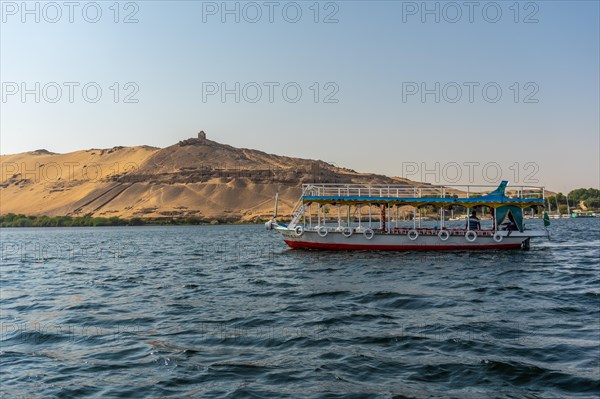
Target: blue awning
<point x="483" y="200"/>
<point x="494" y="199"/>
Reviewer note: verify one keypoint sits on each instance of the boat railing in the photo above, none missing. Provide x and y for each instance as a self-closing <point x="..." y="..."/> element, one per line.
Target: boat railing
<point x="298" y="208"/>
<point x="416" y="191"/>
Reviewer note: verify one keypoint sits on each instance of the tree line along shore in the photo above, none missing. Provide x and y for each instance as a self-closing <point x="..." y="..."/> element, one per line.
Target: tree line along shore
<point x="18" y="220"/>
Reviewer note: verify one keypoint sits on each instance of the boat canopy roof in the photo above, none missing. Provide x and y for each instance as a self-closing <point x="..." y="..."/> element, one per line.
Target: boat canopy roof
<point x="468" y="196"/>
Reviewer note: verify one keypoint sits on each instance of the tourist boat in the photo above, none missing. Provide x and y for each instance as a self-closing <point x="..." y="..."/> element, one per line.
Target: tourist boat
<point x="365" y="217"/>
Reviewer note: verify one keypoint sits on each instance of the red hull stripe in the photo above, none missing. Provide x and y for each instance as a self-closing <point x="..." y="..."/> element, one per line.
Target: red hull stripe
<point x="346" y="247"/>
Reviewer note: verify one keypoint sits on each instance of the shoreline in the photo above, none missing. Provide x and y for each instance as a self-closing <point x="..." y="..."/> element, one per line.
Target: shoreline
<point x="19" y="221"/>
<point x="28" y="221"/>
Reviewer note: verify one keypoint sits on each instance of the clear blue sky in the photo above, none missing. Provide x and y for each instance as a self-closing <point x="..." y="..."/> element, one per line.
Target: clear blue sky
<point x="373" y="55"/>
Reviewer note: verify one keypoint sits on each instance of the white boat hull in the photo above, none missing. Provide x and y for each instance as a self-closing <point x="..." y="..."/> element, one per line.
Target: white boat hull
<point x="426" y="240"/>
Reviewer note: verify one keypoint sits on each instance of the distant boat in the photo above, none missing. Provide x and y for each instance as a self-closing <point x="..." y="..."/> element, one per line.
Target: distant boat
<point x="309" y="228"/>
<point x="584" y="214"/>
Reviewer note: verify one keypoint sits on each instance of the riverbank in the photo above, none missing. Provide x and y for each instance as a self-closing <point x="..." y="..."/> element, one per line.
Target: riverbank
<point x="13" y="220"/>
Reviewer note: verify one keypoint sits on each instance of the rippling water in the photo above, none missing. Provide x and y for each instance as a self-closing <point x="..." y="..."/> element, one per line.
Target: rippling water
<point x="228" y="311"/>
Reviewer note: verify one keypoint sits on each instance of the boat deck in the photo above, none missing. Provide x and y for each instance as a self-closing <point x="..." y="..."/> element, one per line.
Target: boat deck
<point x="406" y="191"/>
<point x="425" y="231"/>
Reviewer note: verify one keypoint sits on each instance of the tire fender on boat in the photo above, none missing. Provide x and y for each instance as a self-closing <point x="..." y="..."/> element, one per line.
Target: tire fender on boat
<point x="443" y="235"/>
<point x="470" y="235"/>
<point x="368" y="233"/>
<point x="498" y="237"/>
<point x="413" y="234"/>
<point x="347" y="232"/>
<point x="299" y="230"/>
<point x="322" y="231"/>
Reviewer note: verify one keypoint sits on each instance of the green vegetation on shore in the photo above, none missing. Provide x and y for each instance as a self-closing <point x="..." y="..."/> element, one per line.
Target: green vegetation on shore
<point x="13" y="220"/>
<point x="586" y="197"/>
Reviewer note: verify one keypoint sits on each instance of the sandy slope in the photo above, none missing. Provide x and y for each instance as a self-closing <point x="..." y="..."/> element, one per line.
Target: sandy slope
<point x="192" y="178"/>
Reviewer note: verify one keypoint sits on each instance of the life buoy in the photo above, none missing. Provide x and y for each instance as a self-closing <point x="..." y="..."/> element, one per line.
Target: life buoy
<point x="470" y="236"/>
<point x="498" y="237"/>
<point x="368" y="233"/>
<point x="347" y="232"/>
<point x="443" y="235"/>
<point x="299" y="230"/>
<point x="413" y="234"/>
<point x="322" y="231"/>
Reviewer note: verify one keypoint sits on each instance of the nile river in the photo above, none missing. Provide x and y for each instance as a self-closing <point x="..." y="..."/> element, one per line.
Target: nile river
<point x="229" y="312"/>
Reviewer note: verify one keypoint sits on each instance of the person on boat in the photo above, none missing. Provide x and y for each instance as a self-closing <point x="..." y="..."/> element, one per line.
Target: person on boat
<point x="473" y="223"/>
<point x="511" y="225"/>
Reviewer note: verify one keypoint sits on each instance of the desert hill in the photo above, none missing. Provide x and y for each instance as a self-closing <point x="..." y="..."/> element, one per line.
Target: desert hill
<point x="195" y="177"/>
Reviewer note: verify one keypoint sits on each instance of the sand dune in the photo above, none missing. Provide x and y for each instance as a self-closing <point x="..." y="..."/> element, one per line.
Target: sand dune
<point x="196" y="177"/>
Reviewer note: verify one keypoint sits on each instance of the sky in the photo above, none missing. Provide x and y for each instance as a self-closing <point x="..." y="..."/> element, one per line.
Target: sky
<point x="443" y="92"/>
